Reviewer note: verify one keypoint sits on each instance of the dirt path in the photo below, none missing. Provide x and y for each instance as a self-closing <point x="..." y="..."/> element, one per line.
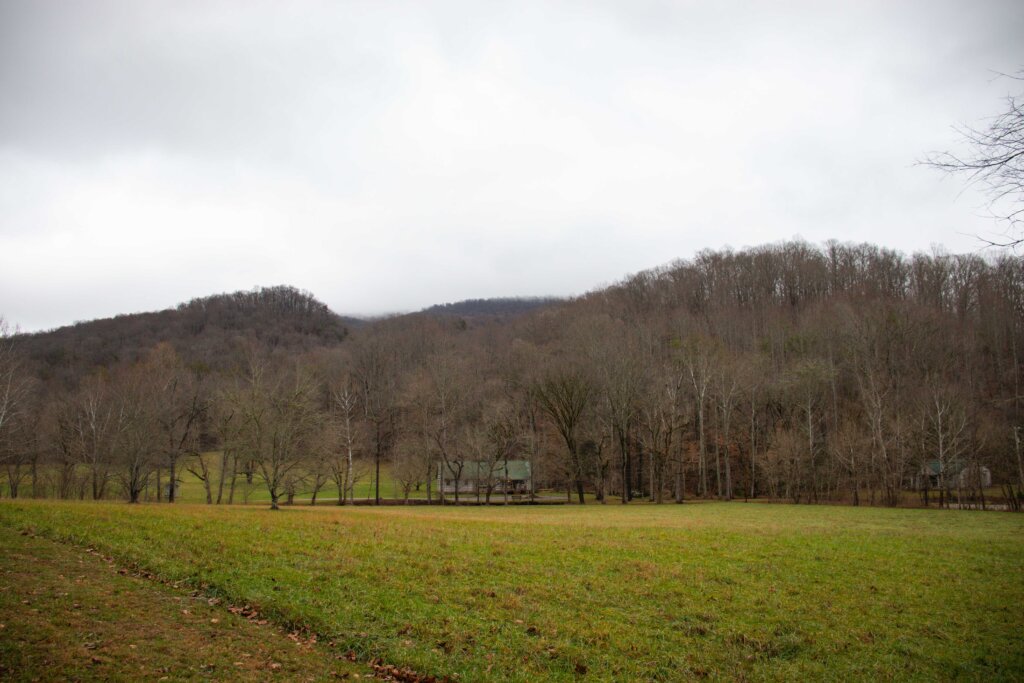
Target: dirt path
<point x="68" y="614"/>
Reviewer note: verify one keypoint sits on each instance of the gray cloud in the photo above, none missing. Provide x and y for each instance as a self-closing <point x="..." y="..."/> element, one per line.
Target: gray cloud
<point x="387" y="156"/>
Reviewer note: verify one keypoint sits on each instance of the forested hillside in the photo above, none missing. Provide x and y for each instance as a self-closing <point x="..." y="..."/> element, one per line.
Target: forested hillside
<point x="203" y="330"/>
<point x="789" y="371"/>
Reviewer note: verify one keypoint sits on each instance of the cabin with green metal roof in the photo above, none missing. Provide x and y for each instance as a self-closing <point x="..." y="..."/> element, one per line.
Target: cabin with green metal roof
<point x="472" y="476"/>
<point x="955" y="474"/>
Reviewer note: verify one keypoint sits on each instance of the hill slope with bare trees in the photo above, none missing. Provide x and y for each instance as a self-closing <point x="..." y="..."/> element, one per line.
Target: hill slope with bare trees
<point x="203" y="330"/>
<point x="806" y="373"/>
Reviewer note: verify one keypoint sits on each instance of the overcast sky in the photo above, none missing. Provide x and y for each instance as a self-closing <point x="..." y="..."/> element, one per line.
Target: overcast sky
<point x="388" y="156"/>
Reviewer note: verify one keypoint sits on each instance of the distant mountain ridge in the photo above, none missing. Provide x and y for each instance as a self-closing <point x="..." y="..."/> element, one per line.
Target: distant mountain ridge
<point x="208" y="329"/>
<point x="499" y="306"/>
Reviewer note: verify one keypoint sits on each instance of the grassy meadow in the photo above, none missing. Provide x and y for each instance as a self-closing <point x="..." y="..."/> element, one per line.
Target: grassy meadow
<point x="716" y="590"/>
<point x="70" y="614"/>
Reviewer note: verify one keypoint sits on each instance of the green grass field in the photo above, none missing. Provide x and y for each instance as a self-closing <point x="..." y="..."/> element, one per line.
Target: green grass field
<point x="722" y="591"/>
<point x="72" y="615"/>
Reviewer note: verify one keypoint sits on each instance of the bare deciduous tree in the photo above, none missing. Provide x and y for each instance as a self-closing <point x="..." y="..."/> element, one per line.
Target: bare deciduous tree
<point x="15" y="386"/>
<point x="345" y="402"/>
<point x="994" y="159"/>
<point x="375" y="371"/>
<point x="138" y="433"/>
<point x="564" y="395"/>
<point x="278" y="421"/>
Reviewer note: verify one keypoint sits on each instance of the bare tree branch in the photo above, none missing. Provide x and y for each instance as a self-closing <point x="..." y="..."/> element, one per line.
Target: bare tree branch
<point x="994" y="160"/>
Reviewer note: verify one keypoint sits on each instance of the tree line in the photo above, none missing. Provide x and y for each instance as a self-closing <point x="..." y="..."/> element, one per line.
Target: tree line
<point x="796" y="372"/>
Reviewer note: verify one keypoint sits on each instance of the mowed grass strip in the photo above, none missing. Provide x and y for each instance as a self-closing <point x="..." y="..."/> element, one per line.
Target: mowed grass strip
<point x="722" y="591"/>
<point x="67" y="614"/>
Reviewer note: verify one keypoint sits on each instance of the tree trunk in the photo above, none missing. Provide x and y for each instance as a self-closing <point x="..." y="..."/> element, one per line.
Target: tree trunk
<point x="650" y="468"/>
<point x="430" y="484"/>
<point x="376" y="482"/>
<point x="679" y="480"/>
<point x="174" y="480"/>
<point x="223" y="474"/>
<point x="234" y="477"/>
<point x="702" y="466"/>
<point x="753" y="450"/>
<point x="624" y="454"/>
<point x="728" y="476"/>
<point x="1020" y="460"/>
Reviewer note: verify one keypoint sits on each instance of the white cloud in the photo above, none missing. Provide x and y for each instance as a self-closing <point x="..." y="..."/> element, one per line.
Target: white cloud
<point x="389" y="156"/>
